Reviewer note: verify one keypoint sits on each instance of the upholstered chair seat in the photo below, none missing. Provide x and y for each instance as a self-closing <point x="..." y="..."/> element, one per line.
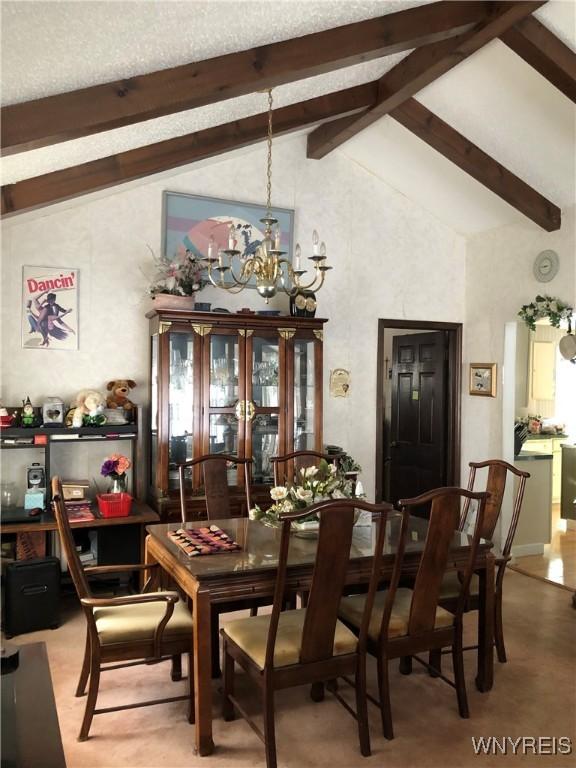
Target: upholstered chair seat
<point x="138" y="622"/>
<point x="451" y="585"/>
<point x="352" y="609"/>
<point x="251" y="635"/>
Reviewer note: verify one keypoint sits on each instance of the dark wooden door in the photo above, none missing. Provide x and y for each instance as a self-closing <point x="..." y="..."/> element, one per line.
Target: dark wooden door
<point x="418" y="424"/>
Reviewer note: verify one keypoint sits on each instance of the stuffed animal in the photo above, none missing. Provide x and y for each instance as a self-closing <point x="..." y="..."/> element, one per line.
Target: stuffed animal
<point x="89" y="406"/>
<point x="119" y="389"/>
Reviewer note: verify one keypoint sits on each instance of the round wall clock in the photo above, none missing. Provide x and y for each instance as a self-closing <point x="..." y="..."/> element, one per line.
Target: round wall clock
<point x="546" y="266"/>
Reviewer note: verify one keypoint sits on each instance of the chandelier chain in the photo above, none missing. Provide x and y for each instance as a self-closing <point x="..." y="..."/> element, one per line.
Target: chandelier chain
<point x="269" y="162"/>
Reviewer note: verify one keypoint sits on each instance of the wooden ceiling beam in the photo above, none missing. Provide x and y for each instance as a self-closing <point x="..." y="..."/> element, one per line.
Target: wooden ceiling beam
<point x="416" y="71"/>
<point x="474" y="161"/>
<point x="65" y="116"/>
<point x="173" y="153"/>
<point x="548" y="55"/>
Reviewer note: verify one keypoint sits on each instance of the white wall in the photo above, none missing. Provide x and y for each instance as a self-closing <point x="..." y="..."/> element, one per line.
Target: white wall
<point x="391" y="259"/>
<point x="499" y="280"/>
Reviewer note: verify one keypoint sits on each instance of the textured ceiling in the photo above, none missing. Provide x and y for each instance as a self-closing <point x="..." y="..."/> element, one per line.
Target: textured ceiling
<point x="494" y="98"/>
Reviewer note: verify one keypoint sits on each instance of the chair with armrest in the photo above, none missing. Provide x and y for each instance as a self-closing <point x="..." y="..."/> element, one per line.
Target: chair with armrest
<point x="498" y="472"/>
<point x="405" y="622"/>
<point x="135" y="629"/>
<point x="309" y="645"/>
<point x="287" y="466"/>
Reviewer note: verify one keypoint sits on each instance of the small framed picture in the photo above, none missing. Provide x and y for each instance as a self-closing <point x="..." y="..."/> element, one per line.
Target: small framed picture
<point x="483" y="379"/>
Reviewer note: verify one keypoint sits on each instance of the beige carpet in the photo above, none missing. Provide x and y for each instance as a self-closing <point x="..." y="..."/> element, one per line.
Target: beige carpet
<point x="533" y="695"/>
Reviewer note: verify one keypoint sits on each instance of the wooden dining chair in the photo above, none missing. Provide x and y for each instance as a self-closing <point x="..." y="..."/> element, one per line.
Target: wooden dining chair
<point x="309" y="645"/>
<point x="405" y="622"/>
<point x="285" y="467"/>
<point x="133" y="629"/>
<point x="214" y="470"/>
<point x="217" y="492"/>
<point x="498" y="472"/>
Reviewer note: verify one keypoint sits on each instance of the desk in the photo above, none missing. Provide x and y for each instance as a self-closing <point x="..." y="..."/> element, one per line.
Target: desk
<point x="251" y="572"/>
<point x="141" y="515"/>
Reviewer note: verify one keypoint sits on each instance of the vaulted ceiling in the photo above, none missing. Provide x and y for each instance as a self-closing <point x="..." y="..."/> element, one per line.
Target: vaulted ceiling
<point x="489" y="140"/>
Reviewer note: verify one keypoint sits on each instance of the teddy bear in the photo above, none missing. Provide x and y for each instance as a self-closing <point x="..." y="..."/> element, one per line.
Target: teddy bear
<point x="89" y="407"/>
<point x="119" y="389"/>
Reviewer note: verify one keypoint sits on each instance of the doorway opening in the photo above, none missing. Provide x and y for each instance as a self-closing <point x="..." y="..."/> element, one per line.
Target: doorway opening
<point x="418" y="399"/>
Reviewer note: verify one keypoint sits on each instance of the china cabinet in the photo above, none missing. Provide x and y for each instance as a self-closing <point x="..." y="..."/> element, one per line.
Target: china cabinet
<point x="243" y="384"/>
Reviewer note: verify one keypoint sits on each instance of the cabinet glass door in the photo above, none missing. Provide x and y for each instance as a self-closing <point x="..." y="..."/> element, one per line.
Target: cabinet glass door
<point x="224" y="382"/>
<point x="224" y="370"/>
<point x="223" y="433"/>
<point x="265" y="444"/>
<point x="304" y="395"/>
<point x="265" y="395"/>
<point x="180" y="403"/>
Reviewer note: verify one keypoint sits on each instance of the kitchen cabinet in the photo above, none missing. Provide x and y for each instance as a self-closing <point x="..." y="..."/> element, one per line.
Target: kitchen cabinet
<point x="535" y="521"/>
<point x="553" y="446"/>
<point x="544" y="370"/>
<point x="243" y="384"/>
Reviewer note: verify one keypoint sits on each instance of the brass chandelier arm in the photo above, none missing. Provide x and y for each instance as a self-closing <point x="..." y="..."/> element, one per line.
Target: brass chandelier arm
<point x="314" y="285"/>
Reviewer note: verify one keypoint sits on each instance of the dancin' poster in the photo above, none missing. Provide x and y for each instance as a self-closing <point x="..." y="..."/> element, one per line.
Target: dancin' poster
<point x="49" y="308"/>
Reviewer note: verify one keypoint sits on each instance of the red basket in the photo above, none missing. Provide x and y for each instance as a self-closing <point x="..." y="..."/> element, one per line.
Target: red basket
<point x="114" y="504"/>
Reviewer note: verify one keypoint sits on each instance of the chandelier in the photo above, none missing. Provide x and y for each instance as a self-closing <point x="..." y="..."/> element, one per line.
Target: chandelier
<point x="232" y="270"/>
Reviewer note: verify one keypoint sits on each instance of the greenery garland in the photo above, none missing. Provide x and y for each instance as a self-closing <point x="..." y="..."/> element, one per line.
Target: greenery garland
<point x="545" y="306"/>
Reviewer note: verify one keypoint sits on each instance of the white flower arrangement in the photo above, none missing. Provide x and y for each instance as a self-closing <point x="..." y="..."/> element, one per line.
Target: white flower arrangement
<point x="311" y="484"/>
<point x="545" y="306"/>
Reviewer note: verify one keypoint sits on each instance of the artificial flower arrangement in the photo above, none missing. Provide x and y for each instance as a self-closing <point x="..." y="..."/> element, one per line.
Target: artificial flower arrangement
<point x="545" y="306"/>
<point x="311" y="484"/>
<point x="115" y="468"/>
<point x="180" y="276"/>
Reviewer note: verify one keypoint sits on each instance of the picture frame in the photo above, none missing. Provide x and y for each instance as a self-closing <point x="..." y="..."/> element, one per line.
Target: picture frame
<point x="49" y="309"/>
<point x="483" y="379"/>
<point x="188" y="222"/>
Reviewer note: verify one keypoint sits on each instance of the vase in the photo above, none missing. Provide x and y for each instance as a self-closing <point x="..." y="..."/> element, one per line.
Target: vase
<point x="119" y="484"/>
<point x="170" y="301"/>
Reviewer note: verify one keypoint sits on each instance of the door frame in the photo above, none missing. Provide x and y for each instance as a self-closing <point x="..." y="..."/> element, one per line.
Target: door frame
<point x="454" y="380"/>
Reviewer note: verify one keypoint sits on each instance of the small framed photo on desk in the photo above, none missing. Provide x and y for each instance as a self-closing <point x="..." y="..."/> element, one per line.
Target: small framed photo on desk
<point x="483" y="379"/>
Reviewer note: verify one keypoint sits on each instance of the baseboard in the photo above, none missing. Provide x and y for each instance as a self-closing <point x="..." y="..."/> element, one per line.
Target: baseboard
<point x="571" y="525"/>
<point x="522" y="550"/>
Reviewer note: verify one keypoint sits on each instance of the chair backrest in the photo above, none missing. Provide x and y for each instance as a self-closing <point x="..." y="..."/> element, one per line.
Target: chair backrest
<point x="328" y="578"/>
<point x="443" y="523"/>
<point x="496" y="485"/>
<point x="67" y="540"/>
<point x="214" y="469"/>
<point x="298" y="460"/>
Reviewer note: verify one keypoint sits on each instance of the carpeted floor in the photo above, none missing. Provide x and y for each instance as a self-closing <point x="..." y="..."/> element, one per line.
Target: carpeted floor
<point x="533" y="695"/>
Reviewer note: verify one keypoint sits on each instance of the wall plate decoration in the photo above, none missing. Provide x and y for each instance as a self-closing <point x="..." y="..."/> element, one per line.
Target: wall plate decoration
<point x="546" y="266"/>
<point x="339" y="382"/>
<point x="483" y="379"/>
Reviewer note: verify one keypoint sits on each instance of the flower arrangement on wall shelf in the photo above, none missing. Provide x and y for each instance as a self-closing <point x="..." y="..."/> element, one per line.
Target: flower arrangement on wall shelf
<point x="311" y="484"/>
<point x="545" y="306"/>
<point x="180" y="276"/>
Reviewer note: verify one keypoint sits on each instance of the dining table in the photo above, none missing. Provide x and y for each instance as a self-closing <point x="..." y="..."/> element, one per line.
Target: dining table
<point x="250" y="572"/>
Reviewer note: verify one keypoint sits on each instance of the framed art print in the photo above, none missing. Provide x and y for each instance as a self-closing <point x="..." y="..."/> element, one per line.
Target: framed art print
<point x="190" y="220"/>
<point x="483" y="379"/>
<point x="49" y="308"/>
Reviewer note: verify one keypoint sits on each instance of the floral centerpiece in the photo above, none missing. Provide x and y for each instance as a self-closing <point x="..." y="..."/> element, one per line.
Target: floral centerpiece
<point x="180" y="276"/>
<point x="115" y="467"/>
<point x="311" y="484"/>
<point x="545" y="306"/>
